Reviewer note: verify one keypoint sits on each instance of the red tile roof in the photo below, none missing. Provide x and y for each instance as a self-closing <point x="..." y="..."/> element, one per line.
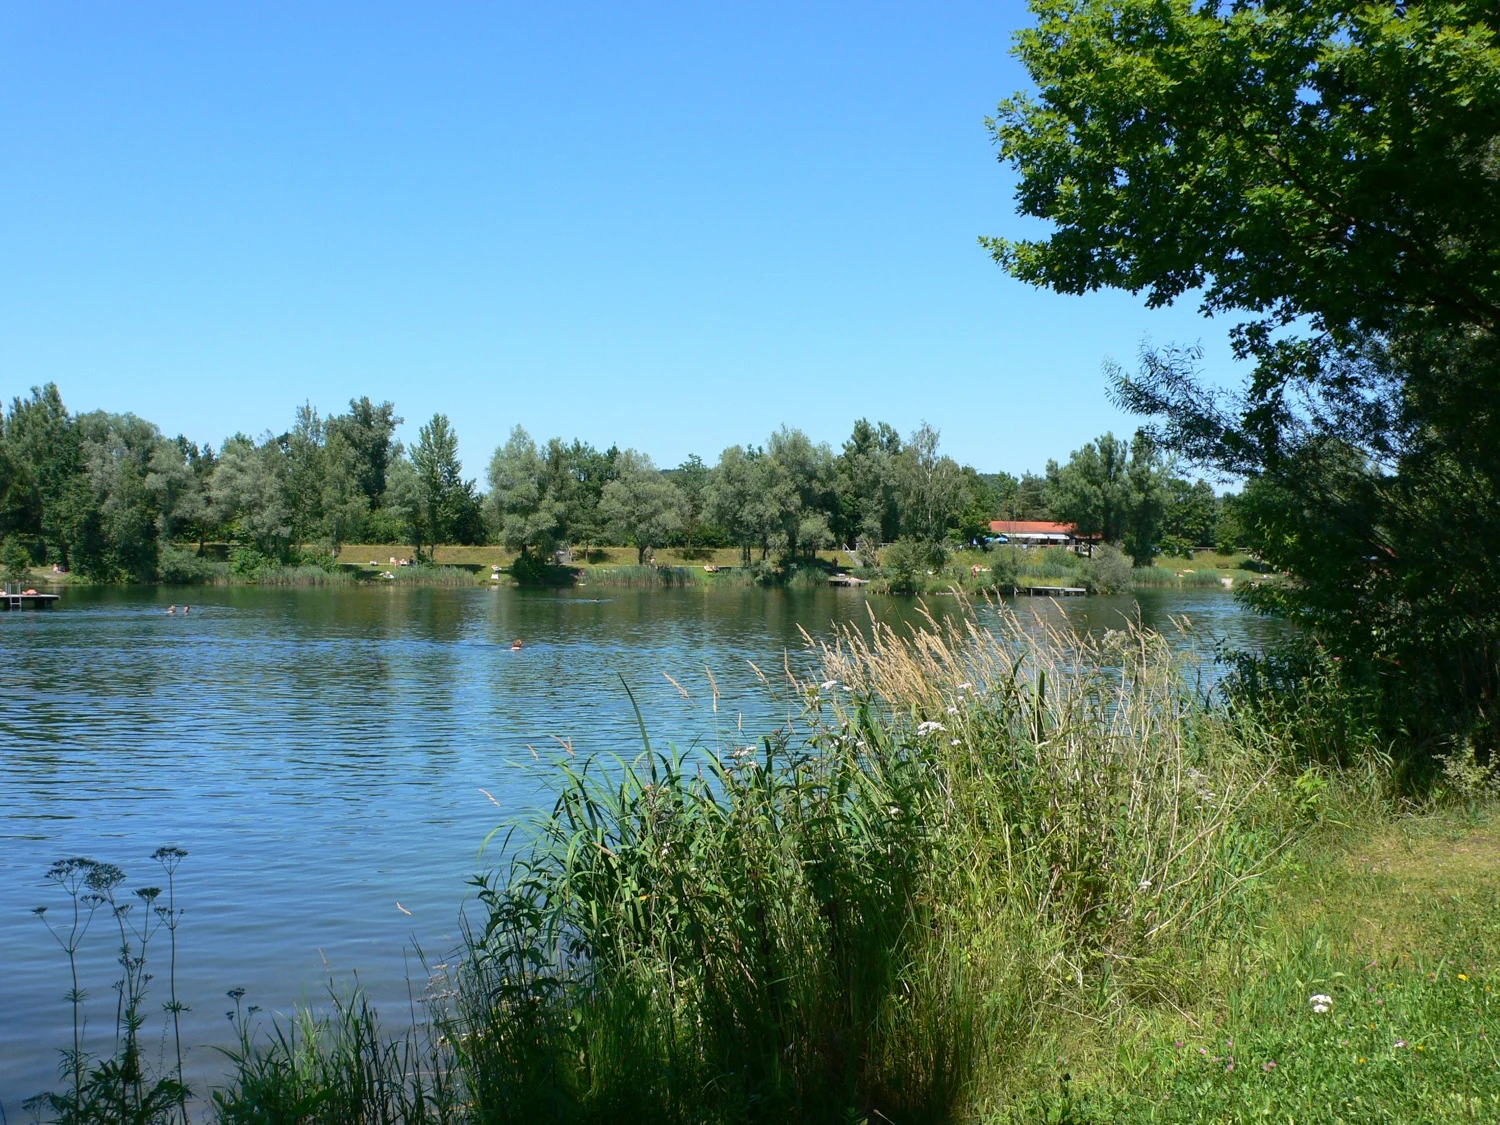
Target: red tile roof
<point x="1030" y="527"/>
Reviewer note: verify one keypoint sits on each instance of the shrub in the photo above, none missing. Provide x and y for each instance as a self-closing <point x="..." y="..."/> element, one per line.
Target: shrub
<point x="529" y="571"/>
<point x="1175" y="546"/>
<point x="15" y="560"/>
<point x="1109" y="571"/>
<point x="907" y="562"/>
<point x="178" y="567"/>
<point x="805" y="576"/>
<point x="248" y="561"/>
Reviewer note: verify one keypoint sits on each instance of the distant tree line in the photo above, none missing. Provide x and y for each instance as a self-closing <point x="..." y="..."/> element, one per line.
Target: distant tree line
<point x="111" y="497"/>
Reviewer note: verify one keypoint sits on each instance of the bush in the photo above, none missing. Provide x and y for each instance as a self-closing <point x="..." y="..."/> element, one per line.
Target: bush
<point x="1109" y="571"/>
<point x="248" y="561"/>
<point x="529" y="571"/>
<point x="1175" y="546"/>
<point x="15" y="560"/>
<point x="764" y="572"/>
<point x="383" y="526"/>
<point x="805" y="575"/>
<point x="177" y="567"/>
<point x="907" y="561"/>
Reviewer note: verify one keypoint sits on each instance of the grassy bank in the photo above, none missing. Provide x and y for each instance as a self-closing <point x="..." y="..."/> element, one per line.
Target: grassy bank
<point x="974" y="878"/>
<point x="971" y="572"/>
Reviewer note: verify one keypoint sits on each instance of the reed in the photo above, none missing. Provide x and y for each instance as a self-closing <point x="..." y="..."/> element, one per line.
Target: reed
<point x="1154" y="576"/>
<point x="426" y="575"/>
<point x="853" y="917"/>
<point x="645" y="577"/>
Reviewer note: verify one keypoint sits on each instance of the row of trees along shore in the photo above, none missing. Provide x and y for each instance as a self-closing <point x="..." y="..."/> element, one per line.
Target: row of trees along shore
<point x="110" y="497"/>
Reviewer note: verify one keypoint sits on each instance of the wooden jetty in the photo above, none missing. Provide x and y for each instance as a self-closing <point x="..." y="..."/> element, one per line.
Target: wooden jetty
<point x="847" y="580"/>
<point x="30" y="599"/>
<point x="1052" y="591"/>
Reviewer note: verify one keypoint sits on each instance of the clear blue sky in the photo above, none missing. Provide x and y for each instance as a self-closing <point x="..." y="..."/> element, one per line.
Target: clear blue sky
<point x="669" y="226"/>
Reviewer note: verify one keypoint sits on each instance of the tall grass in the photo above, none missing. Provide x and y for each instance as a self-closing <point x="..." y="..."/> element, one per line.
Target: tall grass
<point x="426" y="575"/>
<point x="864" y="915"/>
<point x="293" y="576"/>
<point x="645" y="577"/>
<point x="1192" y="578"/>
<point x="1154" y="576"/>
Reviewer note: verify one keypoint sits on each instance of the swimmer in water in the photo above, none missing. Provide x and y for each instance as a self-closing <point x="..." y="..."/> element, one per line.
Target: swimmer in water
<point x="185" y="609"/>
<point x="515" y="644"/>
<point x="172" y="608"/>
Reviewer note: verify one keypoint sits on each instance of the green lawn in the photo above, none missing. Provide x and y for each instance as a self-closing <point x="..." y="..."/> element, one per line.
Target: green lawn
<point x="1400" y="929"/>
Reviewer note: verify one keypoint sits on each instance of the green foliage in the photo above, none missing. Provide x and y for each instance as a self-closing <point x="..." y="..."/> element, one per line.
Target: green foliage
<point x="865" y="485"/>
<point x="439" y="506"/>
<point x="369" y="431"/>
<point x="1175" y="547"/>
<point x="640" y="507"/>
<point x="1121" y="492"/>
<point x="15" y="560"/>
<point x="907" y="562"/>
<point x="177" y="567"/>
<point x="804" y="576"/>
<point x="527" y="570"/>
<point x="691" y="479"/>
<point x="1325" y="159"/>
<point x="1109" y="571"/>
<point x="335" y="1069"/>
<point x="1328" y="172"/>
<point x="247" y="561"/>
<point x="527" y="502"/>
<point x="1192" y="513"/>
<point x="1092" y="491"/>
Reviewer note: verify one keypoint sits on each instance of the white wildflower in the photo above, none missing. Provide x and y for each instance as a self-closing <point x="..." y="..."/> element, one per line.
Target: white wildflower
<point x="827" y="685"/>
<point x="929" y="727"/>
<point x="1145" y="884"/>
<point x="965" y="686"/>
<point x="1320" y="1002"/>
<point x="953" y="710"/>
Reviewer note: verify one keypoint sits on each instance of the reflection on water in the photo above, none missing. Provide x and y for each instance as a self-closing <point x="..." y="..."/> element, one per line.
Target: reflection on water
<point x="323" y="756"/>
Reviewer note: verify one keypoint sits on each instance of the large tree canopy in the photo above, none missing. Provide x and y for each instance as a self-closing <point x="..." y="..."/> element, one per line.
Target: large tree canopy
<point x="1289" y="158"/>
<point x="1329" y="173"/>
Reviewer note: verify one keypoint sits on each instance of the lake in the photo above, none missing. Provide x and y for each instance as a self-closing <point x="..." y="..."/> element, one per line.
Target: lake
<point x="333" y="759"/>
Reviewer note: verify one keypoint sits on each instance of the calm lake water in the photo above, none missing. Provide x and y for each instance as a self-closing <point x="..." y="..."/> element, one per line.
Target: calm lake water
<point x="325" y="755"/>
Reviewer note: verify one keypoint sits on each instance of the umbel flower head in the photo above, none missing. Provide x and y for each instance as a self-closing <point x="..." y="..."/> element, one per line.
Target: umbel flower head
<point x="1320" y="1002"/>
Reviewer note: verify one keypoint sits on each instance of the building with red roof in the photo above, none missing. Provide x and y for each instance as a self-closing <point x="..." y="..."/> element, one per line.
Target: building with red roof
<point x="1040" y="533"/>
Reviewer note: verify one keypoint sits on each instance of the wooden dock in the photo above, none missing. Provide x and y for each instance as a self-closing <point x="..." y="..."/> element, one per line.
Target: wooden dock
<point x="14" y="600"/>
<point x="847" y="580"/>
<point x="1052" y="591"/>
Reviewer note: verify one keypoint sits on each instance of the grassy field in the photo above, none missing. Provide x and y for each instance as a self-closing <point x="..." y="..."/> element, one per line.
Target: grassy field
<point x="1398" y="928"/>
